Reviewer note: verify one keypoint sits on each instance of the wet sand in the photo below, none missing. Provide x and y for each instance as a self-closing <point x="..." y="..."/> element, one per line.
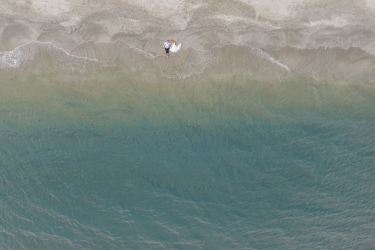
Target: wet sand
<point x="197" y="24"/>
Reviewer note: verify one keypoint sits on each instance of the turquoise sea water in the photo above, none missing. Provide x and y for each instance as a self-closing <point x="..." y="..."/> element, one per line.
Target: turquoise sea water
<point x="112" y="161"/>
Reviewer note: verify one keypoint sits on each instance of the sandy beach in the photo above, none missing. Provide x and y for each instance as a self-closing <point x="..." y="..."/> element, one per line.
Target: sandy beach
<point x="198" y="24"/>
<point x="96" y="30"/>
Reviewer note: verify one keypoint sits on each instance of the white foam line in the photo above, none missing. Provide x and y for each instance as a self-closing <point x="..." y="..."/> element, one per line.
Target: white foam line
<point x="67" y="53"/>
<point x="258" y="52"/>
<point x="141" y="52"/>
<point x="233" y="19"/>
<point x="266" y="56"/>
<point x="335" y="21"/>
<point x="14" y="58"/>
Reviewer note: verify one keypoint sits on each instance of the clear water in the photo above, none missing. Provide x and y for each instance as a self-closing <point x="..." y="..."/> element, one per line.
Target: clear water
<point x="109" y="161"/>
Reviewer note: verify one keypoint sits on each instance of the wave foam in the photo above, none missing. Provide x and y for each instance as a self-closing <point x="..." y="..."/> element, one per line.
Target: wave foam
<point x="257" y="64"/>
<point x="266" y="56"/>
<point x="34" y="51"/>
<point x="11" y="59"/>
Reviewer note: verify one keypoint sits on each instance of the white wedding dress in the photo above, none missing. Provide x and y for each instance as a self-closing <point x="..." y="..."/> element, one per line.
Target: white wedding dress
<point x="175" y="48"/>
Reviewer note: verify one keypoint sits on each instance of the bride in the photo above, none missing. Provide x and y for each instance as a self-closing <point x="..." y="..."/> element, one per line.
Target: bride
<point x="175" y="48"/>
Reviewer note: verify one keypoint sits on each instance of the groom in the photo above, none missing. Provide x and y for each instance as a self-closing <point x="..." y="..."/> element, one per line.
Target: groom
<point x="166" y="46"/>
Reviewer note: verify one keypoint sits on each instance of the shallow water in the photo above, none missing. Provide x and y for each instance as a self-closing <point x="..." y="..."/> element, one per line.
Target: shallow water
<point x="118" y="161"/>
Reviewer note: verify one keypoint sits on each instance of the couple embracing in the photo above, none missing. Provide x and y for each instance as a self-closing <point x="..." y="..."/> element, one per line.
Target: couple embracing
<point x="170" y="46"/>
